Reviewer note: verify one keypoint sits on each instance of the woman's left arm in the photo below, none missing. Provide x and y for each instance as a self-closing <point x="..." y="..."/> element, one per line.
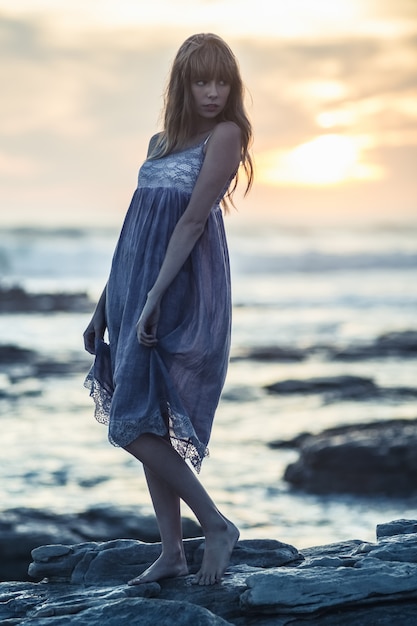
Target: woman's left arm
<point x="220" y="163"/>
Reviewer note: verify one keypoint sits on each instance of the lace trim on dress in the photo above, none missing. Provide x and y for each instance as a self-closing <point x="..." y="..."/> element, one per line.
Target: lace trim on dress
<point x="188" y="447"/>
<point x="102" y="398"/>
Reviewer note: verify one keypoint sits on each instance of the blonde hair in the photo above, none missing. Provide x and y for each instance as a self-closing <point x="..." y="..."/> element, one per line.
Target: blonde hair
<point x="203" y="56"/>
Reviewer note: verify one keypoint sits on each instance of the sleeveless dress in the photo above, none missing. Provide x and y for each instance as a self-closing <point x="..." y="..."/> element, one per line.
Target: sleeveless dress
<point x="173" y="388"/>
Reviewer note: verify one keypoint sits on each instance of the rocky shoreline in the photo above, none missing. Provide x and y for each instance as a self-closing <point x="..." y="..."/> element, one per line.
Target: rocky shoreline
<point x="80" y="562"/>
<point x="268" y="583"/>
<point x="376" y="458"/>
<point x="24" y="529"/>
<point x="15" y="299"/>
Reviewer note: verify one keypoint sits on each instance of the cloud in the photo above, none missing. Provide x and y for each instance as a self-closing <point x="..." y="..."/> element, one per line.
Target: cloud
<point x="81" y="105"/>
<point x="363" y="89"/>
<point x="76" y="115"/>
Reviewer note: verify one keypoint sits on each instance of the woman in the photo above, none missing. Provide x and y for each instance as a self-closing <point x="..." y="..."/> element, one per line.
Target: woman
<point x="167" y="304"/>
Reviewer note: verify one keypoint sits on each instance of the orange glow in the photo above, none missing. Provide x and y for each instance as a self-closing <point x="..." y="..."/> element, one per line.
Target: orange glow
<point x="325" y="160"/>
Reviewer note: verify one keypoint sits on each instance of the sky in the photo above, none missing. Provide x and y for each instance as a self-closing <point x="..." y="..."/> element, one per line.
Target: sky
<point x="331" y="92"/>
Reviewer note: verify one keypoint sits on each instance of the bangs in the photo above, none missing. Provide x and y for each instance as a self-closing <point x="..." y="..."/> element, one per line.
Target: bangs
<point x="211" y="62"/>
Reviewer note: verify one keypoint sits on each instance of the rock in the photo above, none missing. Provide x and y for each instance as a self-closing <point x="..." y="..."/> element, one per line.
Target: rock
<point x="10" y="354"/>
<point x="319" y="588"/>
<point x="325" y="585"/>
<point x="337" y="388"/>
<point x="398" y="344"/>
<point x="115" y="562"/>
<point x="17" y="300"/>
<point x="270" y="353"/>
<point x="290" y="444"/>
<point x="22" y="530"/>
<point x="264" y="553"/>
<point x="58" y="605"/>
<point x="61" y="366"/>
<point x="22" y="370"/>
<point x="399" y="527"/>
<point x="375" y="458"/>
<point x="394" y="344"/>
<point x="346" y="583"/>
<point x="340" y="387"/>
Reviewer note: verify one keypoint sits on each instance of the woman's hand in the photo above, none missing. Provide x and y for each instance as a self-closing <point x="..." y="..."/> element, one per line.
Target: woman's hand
<point x="147" y="325"/>
<point x="97" y="326"/>
<point x="95" y="330"/>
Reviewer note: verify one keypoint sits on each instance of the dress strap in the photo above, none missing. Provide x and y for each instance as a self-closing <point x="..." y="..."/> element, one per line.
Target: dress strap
<point x="205" y="143"/>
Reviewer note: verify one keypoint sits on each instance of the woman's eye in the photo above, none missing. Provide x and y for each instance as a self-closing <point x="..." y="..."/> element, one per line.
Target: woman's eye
<point x="200" y="83"/>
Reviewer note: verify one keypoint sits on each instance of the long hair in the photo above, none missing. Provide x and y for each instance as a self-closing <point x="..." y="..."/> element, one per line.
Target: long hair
<point x="203" y="56"/>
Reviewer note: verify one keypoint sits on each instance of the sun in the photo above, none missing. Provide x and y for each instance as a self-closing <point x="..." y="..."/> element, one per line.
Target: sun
<point x="325" y="160"/>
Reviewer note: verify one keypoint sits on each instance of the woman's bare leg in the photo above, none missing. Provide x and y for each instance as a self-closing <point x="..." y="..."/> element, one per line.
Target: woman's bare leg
<point x="166" y="504"/>
<point x="221" y="535"/>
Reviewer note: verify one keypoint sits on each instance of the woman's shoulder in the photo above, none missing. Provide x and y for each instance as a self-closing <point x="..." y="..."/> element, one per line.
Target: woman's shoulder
<point x="224" y="133"/>
<point x="227" y="129"/>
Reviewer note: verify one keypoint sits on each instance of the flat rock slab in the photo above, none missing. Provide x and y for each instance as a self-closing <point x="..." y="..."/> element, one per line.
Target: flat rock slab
<point x="267" y="584"/>
<point x="318" y="588"/>
<point x="116" y="562"/>
<point x="59" y="605"/>
<point x="23" y="529"/>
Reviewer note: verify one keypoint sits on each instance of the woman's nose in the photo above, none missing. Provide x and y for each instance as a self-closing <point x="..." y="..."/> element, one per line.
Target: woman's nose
<point x="212" y="89"/>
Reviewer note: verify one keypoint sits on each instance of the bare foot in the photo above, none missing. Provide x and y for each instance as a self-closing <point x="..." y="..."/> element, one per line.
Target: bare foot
<point x="218" y="549"/>
<point x="164" y="567"/>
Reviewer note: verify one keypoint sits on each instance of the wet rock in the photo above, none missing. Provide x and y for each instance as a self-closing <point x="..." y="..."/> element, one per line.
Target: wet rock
<point x="339" y="388"/>
<point x="11" y="354"/>
<point x="396" y="344"/>
<point x="58" y="605"/>
<point x="22" y="530"/>
<point x="346" y="583"/>
<point x="21" y="369"/>
<point x="393" y="344"/>
<point x="336" y="587"/>
<point x="264" y="553"/>
<point x="270" y="353"/>
<point x="61" y="366"/>
<point x="117" y="561"/>
<point x="398" y="527"/>
<point x="17" y="300"/>
<point x="342" y="386"/>
<point x="378" y="458"/>
<point x="317" y="588"/>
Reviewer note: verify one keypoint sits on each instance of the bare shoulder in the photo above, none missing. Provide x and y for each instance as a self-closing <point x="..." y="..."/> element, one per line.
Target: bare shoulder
<point x="225" y="140"/>
<point x="223" y="149"/>
<point x="226" y="131"/>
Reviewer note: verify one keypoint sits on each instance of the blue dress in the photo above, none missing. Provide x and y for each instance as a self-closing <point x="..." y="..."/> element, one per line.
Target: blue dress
<point x="175" y="386"/>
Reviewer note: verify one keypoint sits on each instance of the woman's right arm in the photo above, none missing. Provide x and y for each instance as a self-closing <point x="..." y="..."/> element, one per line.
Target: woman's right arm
<point x="97" y="326"/>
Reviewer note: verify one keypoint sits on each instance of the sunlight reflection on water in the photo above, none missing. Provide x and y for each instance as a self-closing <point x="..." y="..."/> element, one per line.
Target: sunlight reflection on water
<point x="55" y="455"/>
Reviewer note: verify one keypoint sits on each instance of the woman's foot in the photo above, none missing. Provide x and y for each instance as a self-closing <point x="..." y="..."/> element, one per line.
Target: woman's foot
<point x="218" y="550"/>
<point x="164" y="567"/>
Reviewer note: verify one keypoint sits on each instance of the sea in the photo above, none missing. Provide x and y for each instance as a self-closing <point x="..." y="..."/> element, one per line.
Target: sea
<point x="296" y="286"/>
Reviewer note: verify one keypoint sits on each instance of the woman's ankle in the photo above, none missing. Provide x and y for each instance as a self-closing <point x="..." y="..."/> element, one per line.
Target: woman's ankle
<point x="173" y="553"/>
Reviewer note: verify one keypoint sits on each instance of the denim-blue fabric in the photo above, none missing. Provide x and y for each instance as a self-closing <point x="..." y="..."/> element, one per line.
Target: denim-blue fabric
<point x="174" y="387"/>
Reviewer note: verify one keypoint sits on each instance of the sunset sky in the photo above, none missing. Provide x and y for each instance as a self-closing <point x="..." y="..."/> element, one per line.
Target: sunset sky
<point x="332" y="95"/>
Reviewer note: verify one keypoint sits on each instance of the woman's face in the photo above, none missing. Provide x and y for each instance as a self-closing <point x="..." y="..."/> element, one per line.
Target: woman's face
<point x="210" y="97"/>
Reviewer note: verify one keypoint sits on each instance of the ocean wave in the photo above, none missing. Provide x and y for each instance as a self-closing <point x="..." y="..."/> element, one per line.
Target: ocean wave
<point x="314" y="262"/>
